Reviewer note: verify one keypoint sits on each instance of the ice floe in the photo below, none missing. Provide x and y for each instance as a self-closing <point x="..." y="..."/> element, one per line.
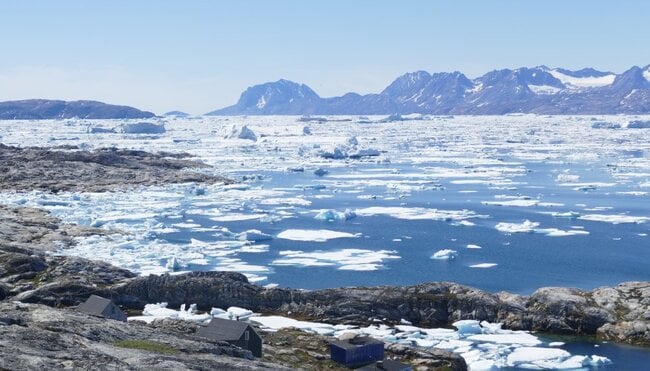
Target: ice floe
<point x="320" y="235"/>
<point x="533" y="227"/>
<point x="417" y="213"/>
<point x="346" y="259"/>
<point x="143" y="128"/>
<point x="614" y="218"/>
<point x="444" y="254"/>
<point x="332" y="215"/>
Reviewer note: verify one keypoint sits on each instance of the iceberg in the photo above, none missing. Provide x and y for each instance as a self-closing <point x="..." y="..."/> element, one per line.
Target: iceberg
<point x="467" y="326"/>
<point x="638" y="124"/>
<point x="143" y="128"/>
<point x="254" y="235"/>
<point x="99" y="130"/>
<point x="605" y="125"/>
<point x="526" y="227"/>
<point x="524" y="355"/>
<point x="445" y="254"/>
<point x="332" y="215"/>
<point x="241" y="132"/>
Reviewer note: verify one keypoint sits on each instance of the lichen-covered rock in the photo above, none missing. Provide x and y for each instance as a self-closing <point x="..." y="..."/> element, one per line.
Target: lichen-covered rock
<point x="95" y="171"/>
<point x="38" y="337"/>
<point x="565" y="310"/>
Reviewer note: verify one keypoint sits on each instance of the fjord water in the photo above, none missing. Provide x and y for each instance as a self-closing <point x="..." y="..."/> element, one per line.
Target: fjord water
<point x="439" y="184"/>
<point x="610" y="254"/>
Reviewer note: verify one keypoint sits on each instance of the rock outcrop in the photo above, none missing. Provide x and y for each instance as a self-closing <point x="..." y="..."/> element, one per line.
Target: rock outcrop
<point x="621" y="313"/>
<point x="68" y="169"/>
<point x="40" y="337"/>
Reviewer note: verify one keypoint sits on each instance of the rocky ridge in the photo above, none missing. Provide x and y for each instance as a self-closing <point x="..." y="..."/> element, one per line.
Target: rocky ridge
<point x="539" y="90"/>
<point x="37" y="109"/>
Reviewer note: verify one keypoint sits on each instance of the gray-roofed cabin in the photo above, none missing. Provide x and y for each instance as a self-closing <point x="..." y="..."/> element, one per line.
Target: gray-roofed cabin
<point x="98" y="306"/>
<point x="386" y="365"/>
<point x="237" y="333"/>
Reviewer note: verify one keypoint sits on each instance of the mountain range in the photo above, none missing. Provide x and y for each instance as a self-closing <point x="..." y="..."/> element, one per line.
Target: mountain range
<point x="539" y="90"/>
<point x="37" y="109"/>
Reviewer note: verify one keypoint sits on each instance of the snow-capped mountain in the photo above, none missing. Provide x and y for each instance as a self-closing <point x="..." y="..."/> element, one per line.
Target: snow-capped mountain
<point x="280" y="97"/>
<point x="523" y="90"/>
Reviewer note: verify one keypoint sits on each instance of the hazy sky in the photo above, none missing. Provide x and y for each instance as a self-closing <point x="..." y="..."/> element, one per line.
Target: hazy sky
<point x="197" y="56"/>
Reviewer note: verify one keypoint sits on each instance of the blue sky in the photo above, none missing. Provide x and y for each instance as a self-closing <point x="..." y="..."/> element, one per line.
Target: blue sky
<point x="200" y="55"/>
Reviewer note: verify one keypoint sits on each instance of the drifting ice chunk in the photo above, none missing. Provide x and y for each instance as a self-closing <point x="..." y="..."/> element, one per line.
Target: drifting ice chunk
<point x="490" y="328"/>
<point x="615" y="219"/>
<point x="483" y="365"/>
<point x="99" y="130"/>
<point x="392" y="118"/>
<point x="507" y="338"/>
<point x="143" y="128"/>
<point x="254" y="235"/>
<point x="173" y="264"/>
<point x="605" y="125"/>
<point x="306" y="130"/>
<point x="350" y="149"/>
<point x="331" y="215"/>
<point x="159" y="310"/>
<point x="445" y="254"/>
<point x="526" y="227"/>
<point x="334" y="153"/>
<point x="598" y="361"/>
<point x="467" y="326"/>
<point x="638" y="124"/>
<point x="241" y="132"/>
<point x="352" y="141"/>
<point x="321" y="235"/>
<point x="567" y="178"/>
<point x="217" y="311"/>
<point x="366" y="152"/>
<point x="525" y="355"/>
<point x="320" y="172"/>
<point x="239" y="313"/>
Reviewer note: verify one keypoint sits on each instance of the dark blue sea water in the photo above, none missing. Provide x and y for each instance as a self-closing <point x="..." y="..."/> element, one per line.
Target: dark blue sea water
<point x="610" y="254"/>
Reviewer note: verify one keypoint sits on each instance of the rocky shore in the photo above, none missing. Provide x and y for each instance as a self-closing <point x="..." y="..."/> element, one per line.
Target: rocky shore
<point x="28" y="274"/>
<point x="39" y="327"/>
<point x="69" y="169"/>
<point x="41" y="337"/>
<point x="37" y="288"/>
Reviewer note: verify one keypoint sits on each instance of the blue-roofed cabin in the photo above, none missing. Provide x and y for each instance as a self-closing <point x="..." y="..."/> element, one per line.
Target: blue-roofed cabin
<point x="357" y="352"/>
